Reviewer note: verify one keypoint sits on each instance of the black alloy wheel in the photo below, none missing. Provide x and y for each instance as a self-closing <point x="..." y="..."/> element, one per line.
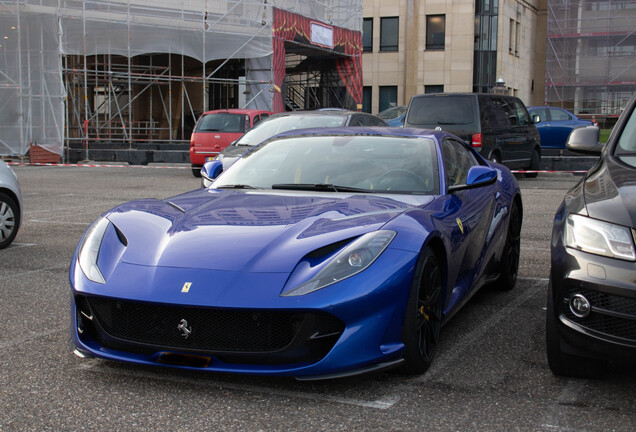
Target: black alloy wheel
<point x="509" y="265"/>
<point x="196" y="171"/>
<point x="494" y="157"/>
<point x="423" y="318"/>
<point x="9" y="220"/>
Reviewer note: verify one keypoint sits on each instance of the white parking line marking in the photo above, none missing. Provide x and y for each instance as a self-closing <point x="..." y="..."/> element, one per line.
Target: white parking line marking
<point x="459" y="346"/>
<point x="29" y="272"/>
<point x="381" y="404"/>
<point x="59" y="222"/>
<point x="568" y="396"/>
<point x="19" y="245"/>
<point x="67" y="208"/>
<point x="562" y="428"/>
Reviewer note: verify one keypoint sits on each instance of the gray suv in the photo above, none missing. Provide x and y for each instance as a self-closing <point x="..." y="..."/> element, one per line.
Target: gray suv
<point x="497" y="126"/>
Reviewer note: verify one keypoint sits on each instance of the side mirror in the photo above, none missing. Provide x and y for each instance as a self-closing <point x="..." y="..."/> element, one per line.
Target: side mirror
<point x="477" y="176"/>
<point x="536" y="118"/>
<point x="210" y="171"/>
<point x="480" y="175"/>
<point x="585" y="140"/>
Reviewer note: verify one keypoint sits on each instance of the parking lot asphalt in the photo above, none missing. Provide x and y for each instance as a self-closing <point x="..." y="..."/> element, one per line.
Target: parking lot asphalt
<point x="490" y="373"/>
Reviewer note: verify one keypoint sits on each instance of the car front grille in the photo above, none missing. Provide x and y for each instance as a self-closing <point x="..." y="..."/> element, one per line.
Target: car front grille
<point x="611" y="315"/>
<point x="146" y="327"/>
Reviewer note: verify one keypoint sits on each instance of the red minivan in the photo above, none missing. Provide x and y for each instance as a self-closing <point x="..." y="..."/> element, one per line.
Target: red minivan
<point x="216" y="129"/>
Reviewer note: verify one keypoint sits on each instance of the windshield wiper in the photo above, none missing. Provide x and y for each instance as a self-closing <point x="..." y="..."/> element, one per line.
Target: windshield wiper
<point x="237" y="186"/>
<point x="321" y="187"/>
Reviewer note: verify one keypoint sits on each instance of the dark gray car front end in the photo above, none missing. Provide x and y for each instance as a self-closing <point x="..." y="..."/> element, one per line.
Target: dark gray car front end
<point x="591" y="306"/>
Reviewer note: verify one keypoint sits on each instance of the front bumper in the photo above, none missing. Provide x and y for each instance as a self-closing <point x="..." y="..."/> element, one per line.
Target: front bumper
<point x="200" y="156"/>
<point x="352" y="326"/>
<point x="609" y="331"/>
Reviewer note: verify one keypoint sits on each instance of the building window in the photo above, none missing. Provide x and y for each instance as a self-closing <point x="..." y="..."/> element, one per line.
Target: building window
<point x="513" y="41"/>
<point x="433" y="89"/>
<point x="367" y="98"/>
<point x="389" y="33"/>
<point x="485" y="55"/>
<point x="435" y="31"/>
<point x="388" y="97"/>
<point x="367" y="35"/>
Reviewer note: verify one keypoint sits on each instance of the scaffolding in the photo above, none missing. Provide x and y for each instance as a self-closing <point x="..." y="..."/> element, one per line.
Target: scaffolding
<point x="76" y="74"/>
<point x="591" y="57"/>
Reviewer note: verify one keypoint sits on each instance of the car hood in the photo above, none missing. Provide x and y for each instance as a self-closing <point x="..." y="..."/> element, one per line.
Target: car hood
<point x="257" y="231"/>
<point x="610" y="192"/>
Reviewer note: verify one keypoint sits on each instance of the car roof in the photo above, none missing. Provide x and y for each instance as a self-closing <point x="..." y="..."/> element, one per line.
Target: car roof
<point x="546" y="106"/>
<point x="237" y="111"/>
<point x="368" y="130"/>
<point x="325" y="112"/>
<point x="477" y="95"/>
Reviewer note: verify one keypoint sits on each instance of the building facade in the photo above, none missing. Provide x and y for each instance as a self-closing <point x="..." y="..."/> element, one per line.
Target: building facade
<point x="419" y="46"/>
<point x="591" y="57"/>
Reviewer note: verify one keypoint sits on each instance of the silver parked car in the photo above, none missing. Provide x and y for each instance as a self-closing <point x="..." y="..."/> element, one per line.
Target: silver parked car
<point x="10" y="205"/>
<point x="283" y="122"/>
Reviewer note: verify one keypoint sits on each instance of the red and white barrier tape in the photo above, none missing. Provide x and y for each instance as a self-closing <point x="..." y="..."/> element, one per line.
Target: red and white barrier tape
<point x="546" y="172"/>
<point x="98" y="165"/>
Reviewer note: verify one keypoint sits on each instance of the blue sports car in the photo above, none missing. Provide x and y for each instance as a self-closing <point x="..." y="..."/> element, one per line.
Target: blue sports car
<point x="320" y="253"/>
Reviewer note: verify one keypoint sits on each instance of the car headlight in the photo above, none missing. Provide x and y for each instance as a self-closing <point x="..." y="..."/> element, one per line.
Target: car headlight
<point x="89" y="250"/>
<point x="600" y="238"/>
<point x="353" y="259"/>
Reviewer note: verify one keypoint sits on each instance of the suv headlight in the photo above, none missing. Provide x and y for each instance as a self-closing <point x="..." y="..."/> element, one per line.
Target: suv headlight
<point x="600" y="238"/>
<point x="89" y="250"/>
<point x="353" y="259"/>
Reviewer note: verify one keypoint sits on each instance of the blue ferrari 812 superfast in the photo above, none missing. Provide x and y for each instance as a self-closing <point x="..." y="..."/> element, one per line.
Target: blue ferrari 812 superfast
<point x="320" y="253"/>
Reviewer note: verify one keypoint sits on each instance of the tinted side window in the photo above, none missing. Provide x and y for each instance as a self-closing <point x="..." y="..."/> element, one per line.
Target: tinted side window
<point x="558" y="115"/>
<point x="357" y="121"/>
<point x="457" y="160"/>
<point x="627" y="140"/>
<point x="523" y="118"/>
<point x="494" y="114"/>
<point x="542" y="113"/>
<point x="374" y="121"/>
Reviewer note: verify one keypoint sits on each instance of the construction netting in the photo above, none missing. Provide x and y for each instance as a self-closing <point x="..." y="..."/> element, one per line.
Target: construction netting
<point x="590" y="67"/>
<point x="38" y="34"/>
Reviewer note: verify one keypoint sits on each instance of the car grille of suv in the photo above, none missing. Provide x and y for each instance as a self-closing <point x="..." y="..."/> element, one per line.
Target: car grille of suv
<point x="153" y="325"/>
<point x="612" y="315"/>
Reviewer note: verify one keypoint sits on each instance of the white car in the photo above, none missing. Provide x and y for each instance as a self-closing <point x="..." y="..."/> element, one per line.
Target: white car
<point x="10" y="205"/>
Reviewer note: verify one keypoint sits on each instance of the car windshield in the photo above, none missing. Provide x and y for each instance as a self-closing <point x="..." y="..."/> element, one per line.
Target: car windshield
<point x="223" y="122"/>
<point x="441" y="110"/>
<point x="338" y="163"/>
<point x="392" y="113"/>
<point x="626" y="147"/>
<point x="275" y="125"/>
